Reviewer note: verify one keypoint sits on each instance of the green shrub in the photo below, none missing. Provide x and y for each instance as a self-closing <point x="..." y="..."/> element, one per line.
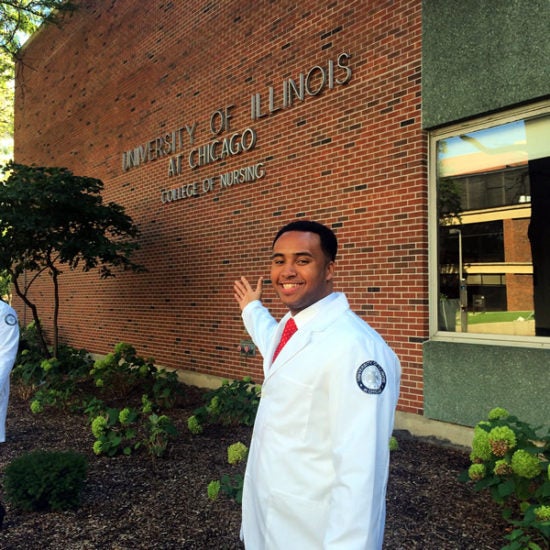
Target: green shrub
<point x="124" y="374"/>
<point x="230" y="484"/>
<point x="511" y="460"/>
<point x="233" y="403"/>
<point x="122" y="394"/>
<point x="45" y="480"/>
<point x="125" y="431"/>
<point x="72" y="381"/>
<point x="115" y="431"/>
<point x="49" y="382"/>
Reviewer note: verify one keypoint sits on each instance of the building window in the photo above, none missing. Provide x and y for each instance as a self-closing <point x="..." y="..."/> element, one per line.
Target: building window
<point x="492" y="183"/>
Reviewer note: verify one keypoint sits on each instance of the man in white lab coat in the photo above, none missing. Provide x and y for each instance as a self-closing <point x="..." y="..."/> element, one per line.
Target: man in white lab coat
<point x="318" y="463"/>
<point x="9" y="343"/>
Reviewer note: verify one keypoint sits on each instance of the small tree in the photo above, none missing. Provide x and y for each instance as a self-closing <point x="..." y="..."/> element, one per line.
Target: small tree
<point x="50" y="218"/>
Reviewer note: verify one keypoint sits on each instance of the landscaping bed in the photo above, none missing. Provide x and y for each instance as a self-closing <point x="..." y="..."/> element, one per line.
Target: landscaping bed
<point x="133" y="502"/>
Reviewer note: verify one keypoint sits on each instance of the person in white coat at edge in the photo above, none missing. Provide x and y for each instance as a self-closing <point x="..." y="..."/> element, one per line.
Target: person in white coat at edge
<point x="9" y="344"/>
<point x="318" y="462"/>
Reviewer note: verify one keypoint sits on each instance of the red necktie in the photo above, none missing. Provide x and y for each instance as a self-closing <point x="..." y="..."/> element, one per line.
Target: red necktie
<point x="288" y="331"/>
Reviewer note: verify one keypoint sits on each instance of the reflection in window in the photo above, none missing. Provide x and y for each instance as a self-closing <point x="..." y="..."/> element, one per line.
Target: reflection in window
<point x="493" y="189"/>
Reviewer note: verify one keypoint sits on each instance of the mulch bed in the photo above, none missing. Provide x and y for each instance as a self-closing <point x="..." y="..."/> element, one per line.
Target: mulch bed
<point x="135" y="503"/>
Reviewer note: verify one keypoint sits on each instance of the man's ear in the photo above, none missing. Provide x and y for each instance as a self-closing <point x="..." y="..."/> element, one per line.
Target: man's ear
<point x="330" y="271"/>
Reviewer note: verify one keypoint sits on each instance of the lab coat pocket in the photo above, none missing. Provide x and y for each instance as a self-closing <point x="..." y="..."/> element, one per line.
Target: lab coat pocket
<point x="295" y="523"/>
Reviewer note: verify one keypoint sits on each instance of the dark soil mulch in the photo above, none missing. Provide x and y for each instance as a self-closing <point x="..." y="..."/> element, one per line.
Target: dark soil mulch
<point x="135" y="503"/>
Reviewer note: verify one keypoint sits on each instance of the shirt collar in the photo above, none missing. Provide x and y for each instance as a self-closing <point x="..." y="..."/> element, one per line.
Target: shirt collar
<point x="303" y="317"/>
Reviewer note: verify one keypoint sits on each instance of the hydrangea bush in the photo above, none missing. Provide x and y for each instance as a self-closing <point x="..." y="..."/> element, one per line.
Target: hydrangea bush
<point x="511" y="460"/>
<point x="233" y="403"/>
<point x="126" y="430"/>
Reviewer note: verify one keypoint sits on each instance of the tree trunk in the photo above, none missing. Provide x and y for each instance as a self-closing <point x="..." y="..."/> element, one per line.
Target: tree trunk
<point x="40" y="333"/>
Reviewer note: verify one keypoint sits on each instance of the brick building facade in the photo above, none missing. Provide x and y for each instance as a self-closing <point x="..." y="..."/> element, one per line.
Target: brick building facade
<point x="324" y="98"/>
<point x="215" y="123"/>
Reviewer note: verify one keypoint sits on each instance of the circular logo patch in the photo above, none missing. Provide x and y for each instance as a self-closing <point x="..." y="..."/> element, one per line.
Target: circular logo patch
<point x="10" y="319"/>
<point x="371" y="377"/>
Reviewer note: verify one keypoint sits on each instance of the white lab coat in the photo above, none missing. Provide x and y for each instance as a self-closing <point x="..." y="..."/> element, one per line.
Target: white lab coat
<point x="318" y="462"/>
<point x="9" y="343"/>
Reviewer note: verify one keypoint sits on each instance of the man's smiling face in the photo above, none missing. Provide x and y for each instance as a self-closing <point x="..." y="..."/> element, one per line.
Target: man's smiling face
<point x="300" y="271"/>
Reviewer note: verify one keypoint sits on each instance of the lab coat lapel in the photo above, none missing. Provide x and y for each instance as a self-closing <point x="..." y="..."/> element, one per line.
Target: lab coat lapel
<point x="299" y="340"/>
<point x="304" y="334"/>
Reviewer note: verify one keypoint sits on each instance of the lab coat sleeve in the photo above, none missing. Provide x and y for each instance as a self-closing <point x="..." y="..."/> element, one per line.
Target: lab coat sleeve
<point x="361" y="426"/>
<point x="260" y="325"/>
<point x="9" y="343"/>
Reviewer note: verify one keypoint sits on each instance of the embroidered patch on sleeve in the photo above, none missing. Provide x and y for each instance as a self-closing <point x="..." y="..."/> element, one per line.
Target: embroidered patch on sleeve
<point x="371" y="377"/>
<point x="10" y="319"/>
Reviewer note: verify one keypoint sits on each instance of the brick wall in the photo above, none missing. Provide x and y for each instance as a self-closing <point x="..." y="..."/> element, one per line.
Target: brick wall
<point x="120" y="74"/>
<point x="519" y="286"/>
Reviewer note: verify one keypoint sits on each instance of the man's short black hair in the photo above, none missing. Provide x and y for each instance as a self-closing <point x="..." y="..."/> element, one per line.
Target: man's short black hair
<point x="329" y="242"/>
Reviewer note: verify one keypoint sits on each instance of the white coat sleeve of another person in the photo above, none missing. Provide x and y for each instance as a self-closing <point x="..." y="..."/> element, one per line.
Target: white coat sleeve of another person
<point x="360" y="430"/>
<point x="9" y="344"/>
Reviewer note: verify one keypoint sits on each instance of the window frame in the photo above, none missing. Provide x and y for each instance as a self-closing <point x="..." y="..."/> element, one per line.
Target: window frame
<point x="496" y="119"/>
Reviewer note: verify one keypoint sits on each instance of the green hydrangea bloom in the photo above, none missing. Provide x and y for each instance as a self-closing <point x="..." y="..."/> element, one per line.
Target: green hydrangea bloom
<point x="46" y="365"/>
<point x="481" y="448"/>
<point x="214" y="405"/>
<point x="542" y="513"/>
<point x="36" y="407"/>
<point x="103" y="363"/>
<point x="99" y="425"/>
<point x="394" y="444"/>
<point x="498" y="412"/>
<point x="236" y="452"/>
<point x="193" y="425"/>
<point x="502" y="439"/>
<point x="476" y="472"/>
<point x="124" y="416"/>
<point x="97" y="447"/>
<point x="213" y="490"/>
<point x="99" y="383"/>
<point x="503" y="433"/>
<point x="525" y="464"/>
<point x="502" y="468"/>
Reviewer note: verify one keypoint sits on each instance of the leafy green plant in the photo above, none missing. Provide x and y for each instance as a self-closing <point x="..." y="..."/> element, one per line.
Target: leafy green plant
<point x="115" y="431"/>
<point x="233" y="403"/>
<point x="53" y="381"/>
<point x="511" y="460"/>
<point x="230" y="484"/>
<point x="159" y="431"/>
<point x="73" y="382"/>
<point x="125" y="431"/>
<point x="45" y="480"/>
<point x="124" y="373"/>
